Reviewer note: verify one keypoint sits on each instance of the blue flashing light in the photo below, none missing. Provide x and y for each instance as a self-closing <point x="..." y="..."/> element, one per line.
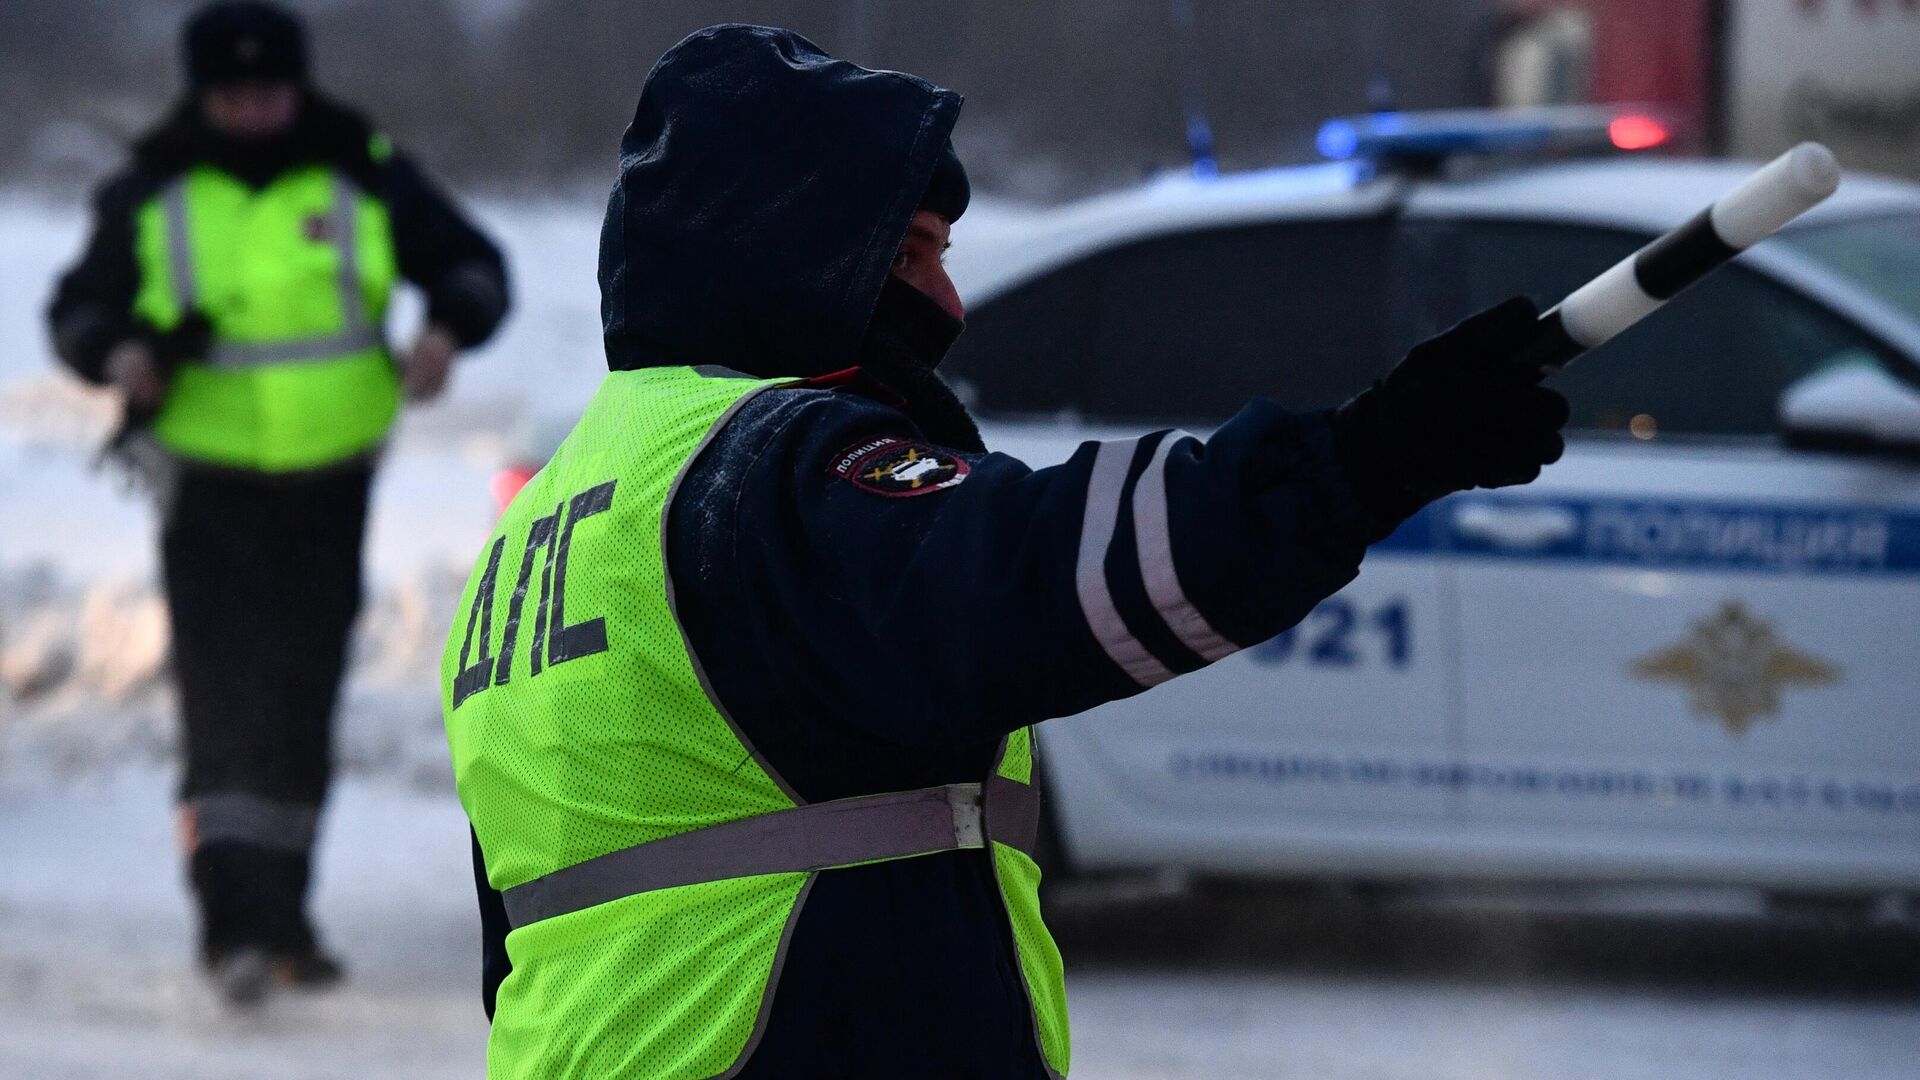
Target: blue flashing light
<point x="1447" y="133"/>
<point x="1282" y="182"/>
<point x="1338" y="140"/>
<point x="1387" y="123"/>
<point x="1200" y="147"/>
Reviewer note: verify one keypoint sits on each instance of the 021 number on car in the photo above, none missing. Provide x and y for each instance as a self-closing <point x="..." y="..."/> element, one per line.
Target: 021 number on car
<point x="1343" y="634"/>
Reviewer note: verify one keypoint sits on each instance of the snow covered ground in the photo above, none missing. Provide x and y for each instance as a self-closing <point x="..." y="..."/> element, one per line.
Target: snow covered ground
<point x="95" y="930"/>
<point x="94" y="933"/>
<point x="94" y="972"/>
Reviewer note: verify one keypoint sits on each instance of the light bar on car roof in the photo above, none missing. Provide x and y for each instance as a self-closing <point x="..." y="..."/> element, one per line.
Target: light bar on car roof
<point x="1440" y="134"/>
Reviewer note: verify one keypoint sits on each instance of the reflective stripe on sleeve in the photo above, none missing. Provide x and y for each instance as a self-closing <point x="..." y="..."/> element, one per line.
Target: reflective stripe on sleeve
<point x="237" y="817"/>
<point x="1106" y="486"/>
<point x="1154" y="539"/>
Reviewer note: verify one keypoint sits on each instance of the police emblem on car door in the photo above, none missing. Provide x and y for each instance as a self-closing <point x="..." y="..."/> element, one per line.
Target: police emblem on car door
<point x="1735" y="667"/>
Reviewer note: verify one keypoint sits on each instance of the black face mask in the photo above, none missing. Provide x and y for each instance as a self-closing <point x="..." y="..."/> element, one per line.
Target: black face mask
<point x="908" y="337"/>
<point x="257" y="161"/>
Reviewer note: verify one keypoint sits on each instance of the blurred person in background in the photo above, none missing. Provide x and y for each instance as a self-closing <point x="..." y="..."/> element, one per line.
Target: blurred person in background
<point x="233" y="291"/>
<point x="740" y="690"/>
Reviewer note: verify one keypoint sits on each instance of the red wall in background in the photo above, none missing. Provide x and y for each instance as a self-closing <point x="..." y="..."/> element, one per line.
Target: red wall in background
<point x="1656" y="51"/>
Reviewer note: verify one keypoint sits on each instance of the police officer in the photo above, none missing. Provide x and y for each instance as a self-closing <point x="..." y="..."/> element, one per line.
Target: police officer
<point x="740" y="695"/>
<point x="233" y="291"/>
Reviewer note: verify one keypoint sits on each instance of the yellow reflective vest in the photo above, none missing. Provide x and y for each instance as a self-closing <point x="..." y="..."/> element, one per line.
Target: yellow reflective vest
<point x="652" y="865"/>
<point x="294" y="279"/>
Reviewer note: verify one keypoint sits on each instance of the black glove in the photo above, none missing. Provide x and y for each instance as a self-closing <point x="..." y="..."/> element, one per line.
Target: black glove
<point x="190" y="339"/>
<point x="1461" y="411"/>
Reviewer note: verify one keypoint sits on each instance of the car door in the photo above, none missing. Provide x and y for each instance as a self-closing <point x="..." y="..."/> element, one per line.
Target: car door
<point x="1268" y="758"/>
<point x="1687" y="651"/>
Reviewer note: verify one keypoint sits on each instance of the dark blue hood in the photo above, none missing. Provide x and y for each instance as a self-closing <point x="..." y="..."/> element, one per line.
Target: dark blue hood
<point x="764" y="190"/>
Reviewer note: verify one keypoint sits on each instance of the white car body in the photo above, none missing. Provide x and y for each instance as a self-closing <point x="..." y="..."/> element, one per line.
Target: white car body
<point x="1668" y="660"/>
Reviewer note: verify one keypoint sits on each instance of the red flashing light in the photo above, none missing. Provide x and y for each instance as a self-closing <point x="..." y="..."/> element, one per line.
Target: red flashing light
<point x="1636" y="132"/>
<point x="507" y="483"/>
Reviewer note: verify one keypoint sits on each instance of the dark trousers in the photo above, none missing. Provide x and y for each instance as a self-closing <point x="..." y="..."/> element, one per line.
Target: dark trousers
<point x="263" y="581"/>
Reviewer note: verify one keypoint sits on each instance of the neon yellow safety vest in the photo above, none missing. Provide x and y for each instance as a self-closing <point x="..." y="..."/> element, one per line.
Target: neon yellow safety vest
<point x="652" y="865"/>
<point x="294" y="278"/>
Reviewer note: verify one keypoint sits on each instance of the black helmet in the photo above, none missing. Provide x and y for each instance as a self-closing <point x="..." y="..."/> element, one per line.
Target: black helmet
<point x="239" y="40"/>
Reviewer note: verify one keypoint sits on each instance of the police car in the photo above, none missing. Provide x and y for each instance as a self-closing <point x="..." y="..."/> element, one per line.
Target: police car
<point x="1689" y="653"/>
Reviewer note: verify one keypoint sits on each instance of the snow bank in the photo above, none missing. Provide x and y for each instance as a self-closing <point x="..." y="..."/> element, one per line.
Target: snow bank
<point x="84" y="671"/>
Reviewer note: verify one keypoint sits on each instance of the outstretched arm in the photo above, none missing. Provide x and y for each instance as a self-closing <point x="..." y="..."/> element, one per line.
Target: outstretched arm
<point x="943" y="598"/>
<point x="993" y="595"/>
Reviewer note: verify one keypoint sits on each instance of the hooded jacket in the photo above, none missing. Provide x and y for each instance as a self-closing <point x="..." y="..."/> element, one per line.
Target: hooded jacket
<point x="764" y="190"/>
<point x="869" y="635"/>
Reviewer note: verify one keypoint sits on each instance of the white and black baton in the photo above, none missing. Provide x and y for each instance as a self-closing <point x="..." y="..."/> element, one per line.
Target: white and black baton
<point x="1637" y="286"/>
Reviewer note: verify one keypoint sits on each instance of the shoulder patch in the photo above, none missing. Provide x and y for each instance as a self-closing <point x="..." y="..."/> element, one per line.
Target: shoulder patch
<point x="898" y="469"/>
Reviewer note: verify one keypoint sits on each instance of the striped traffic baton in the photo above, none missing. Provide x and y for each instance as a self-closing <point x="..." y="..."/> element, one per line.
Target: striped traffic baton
<point x="1637" y="286"/>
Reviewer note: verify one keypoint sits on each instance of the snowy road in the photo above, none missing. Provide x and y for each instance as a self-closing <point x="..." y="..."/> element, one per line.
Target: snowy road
<point x="94" y="932"/>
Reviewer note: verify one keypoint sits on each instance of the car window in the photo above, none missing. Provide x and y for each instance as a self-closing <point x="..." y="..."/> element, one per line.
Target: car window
<point x="1191" y="326"/>
<point x="1027" y="350"/>
<point x="1187" y="328"/>
<point x="1880" y="254"/>
<point x="1711" y="363"/>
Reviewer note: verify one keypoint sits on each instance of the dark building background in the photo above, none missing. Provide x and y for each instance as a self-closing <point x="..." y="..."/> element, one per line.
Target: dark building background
<point x="1064" y="96"/>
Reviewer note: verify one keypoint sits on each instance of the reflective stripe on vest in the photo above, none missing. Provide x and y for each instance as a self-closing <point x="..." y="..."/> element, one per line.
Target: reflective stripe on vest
<point x="816" y="836"/>
<point x="186" y="292"/>
<point x="357" y="332"/>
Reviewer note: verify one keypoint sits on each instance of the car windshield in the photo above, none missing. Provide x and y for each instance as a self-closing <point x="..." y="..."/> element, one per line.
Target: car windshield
<point x="1882" y="254"/>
